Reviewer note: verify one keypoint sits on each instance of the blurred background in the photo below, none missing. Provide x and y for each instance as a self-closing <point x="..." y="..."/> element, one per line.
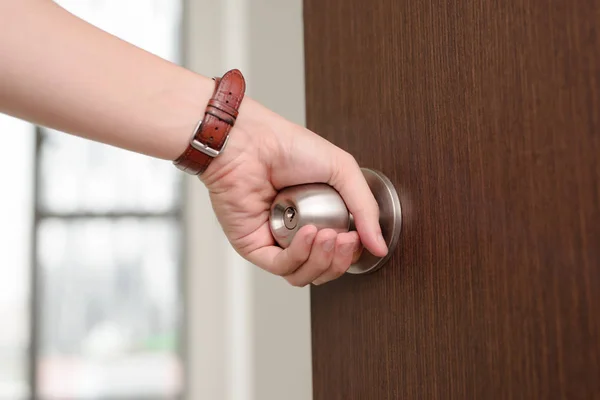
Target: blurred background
<point x="103" y="291"/>
<point x="90" y="250"/>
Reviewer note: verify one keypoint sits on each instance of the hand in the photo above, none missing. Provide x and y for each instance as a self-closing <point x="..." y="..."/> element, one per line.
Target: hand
<point x="266" y="153"/>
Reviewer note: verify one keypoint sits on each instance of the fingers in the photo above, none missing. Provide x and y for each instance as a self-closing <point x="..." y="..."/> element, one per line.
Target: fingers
<point x="345" y="247"/>
<point x="349" y="181"/>
<point x="313" y="256"/>
<point x="318" y="262"/>
<point x="284" y="262"/>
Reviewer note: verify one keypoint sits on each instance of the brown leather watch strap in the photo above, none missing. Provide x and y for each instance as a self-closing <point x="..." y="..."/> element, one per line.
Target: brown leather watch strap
<point x="212" y="132"/>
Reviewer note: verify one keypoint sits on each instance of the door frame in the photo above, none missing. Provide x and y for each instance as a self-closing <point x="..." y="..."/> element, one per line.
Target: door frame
<point x="247" y="332"/>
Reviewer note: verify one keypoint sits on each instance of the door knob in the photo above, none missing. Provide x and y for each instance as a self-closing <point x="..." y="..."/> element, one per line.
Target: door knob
<point x="321" y="205"/>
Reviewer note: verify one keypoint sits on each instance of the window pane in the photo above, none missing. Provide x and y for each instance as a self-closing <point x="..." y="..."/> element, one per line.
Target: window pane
<point x="16" y="206"/>
<point x="80" y="175"/>
<point x="110" y="309"/>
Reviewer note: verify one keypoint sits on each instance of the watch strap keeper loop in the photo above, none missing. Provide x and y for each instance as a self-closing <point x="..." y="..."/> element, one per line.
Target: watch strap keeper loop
<point x="212" y="132"/>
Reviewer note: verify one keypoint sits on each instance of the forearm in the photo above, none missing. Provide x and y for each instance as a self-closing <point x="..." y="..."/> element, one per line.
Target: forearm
<point x="58" y="71"/>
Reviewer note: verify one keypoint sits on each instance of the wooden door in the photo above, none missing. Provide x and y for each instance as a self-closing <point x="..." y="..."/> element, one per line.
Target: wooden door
<point x="486" y="116"/>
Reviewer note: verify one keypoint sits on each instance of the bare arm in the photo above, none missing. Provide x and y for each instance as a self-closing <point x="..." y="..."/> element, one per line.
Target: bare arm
<point x="59" y="71"/>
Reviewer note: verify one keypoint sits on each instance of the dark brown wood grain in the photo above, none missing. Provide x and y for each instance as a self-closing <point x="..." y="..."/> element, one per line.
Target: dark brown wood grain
<point x="486" y="115"/>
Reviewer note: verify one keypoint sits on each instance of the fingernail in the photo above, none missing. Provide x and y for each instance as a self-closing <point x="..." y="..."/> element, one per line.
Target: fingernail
<point x="328" y="245"/>
<point x="347" y="248"/>
<point x="317" y="282"/>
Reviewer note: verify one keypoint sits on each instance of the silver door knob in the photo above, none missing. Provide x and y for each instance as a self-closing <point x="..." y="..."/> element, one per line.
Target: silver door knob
<point x="321" y="205"/>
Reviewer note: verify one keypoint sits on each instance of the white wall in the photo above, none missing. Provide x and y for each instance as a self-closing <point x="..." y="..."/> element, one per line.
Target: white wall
<point x="248" y="335"/>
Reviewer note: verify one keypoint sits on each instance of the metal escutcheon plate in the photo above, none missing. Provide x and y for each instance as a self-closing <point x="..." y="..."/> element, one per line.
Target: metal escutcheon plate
<point x="390" y="219"/>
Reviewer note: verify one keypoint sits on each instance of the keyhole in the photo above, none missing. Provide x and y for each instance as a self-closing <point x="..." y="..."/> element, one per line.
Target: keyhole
<point x="290" y="217"/>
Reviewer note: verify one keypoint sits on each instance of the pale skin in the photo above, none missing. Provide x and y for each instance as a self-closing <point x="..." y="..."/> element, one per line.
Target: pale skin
<point x="61" y="72"/>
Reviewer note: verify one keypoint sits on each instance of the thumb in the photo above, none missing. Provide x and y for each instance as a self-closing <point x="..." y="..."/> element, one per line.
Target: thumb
<point x="348" y="180"/>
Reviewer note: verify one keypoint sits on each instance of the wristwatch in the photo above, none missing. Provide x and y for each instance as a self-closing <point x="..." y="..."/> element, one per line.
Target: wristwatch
<point x="212" y="132"/>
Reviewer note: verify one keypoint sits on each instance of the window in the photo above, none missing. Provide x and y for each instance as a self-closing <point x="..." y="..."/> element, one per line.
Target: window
<point x="107" y="251"/>
<point x="99" y="315"/>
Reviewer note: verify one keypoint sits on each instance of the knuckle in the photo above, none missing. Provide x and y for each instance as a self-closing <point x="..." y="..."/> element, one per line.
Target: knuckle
<point x="342" y="158"/>
<point x="321" y="267"/>
<point x="295" y="282"/>
<point x="345" y="165"/>
<point x="282" y="270"/>
<point x="346" y="156"/>
<point x="341" y="268"/>
<point x="297" y="257"/>
<point x="279" y="269"/>
<point x="348" y="159"/>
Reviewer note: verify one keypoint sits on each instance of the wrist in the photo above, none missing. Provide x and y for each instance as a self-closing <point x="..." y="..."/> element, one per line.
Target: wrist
<point x="252" y="138"/>
<point x="186" y="104"/>
<point x="211" y="134"/>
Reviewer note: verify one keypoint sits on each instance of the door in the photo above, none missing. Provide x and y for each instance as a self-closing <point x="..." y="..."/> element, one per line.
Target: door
<point x="486" y="116"/>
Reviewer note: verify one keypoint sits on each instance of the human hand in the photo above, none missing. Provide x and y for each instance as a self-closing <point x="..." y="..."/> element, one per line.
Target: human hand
<point x="266" y="153"/>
